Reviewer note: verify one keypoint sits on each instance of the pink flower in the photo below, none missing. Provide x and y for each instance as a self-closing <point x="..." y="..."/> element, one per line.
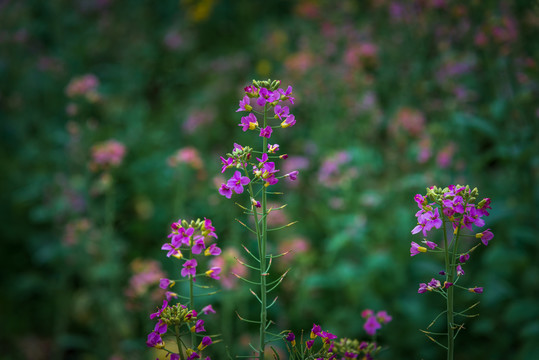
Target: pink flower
<point x="266" y="132"/>
<point x="189" y="268"/>
<point x="371" y="325"/>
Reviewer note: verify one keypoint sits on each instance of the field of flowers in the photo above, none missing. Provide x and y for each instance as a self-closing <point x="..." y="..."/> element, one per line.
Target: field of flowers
<point x="120" y="119"/>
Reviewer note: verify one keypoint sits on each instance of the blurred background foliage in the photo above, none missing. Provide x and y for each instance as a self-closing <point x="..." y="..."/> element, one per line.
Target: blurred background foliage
<point x="392" y="96"/>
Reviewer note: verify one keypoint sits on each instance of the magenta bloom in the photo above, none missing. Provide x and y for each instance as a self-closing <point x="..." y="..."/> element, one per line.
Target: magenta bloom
<point x="158" y="313"/>
<point x="371" y="325"/>
<point x="485" y="236"/>
<point x="281" y="111"/>
<point x="208" y="309"/>
<point x="290" y="337"/>
<point x="315" y="331"/>
<point x="193" y="356"/>
<point x="198" y="245"/>
<point x="237" y="181"/>
<point x="245" y="104"/>
<point x="212" y="250"/>
<point x="165" y="283"/>
<point x="154" y="339"/>
<point x="206" y="340"/>
<point x="286" y="95"/>
<point x="226" y="163"/>
<point x="477" y="290"/>
<point x="464" y="258"/>
<point x="266" y="132"/>
<point x="249" y="122"/>
<point x="225" y="191"/>
<point x="310" y="344"/>
<point x="199" y="326"/>
<point x="431" y="244"/>
<point x="435" y="284"/>
<point x="416" y="249"/>
<point x="289" y="121"/>
<point x="383" y="316"/>
<point x="170" y="295"/>
<point x="367" y="313"/>
<point x="460" y="272"/>
<point x="182" y="237"/>
<point x="422" y="288"/>
<point x="293" y="175"/>
<point x="189" y="268"/>
<point x="273" y="148"/>
<point x="214" y="272"/>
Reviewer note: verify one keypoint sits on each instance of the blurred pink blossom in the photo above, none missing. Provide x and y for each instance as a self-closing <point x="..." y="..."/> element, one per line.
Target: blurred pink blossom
<point x="228" y="262"/>
<point x="85" y="85"/>
<point x="107" y="154"/>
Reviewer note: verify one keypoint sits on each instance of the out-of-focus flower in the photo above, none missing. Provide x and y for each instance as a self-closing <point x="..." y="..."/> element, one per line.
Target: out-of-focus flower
<point x="107" y="154"/>
<point x="198" y="118"/>
<point x="229" y="262"/>
<point x="187" y="155"/>
<point x="85" y="85"/>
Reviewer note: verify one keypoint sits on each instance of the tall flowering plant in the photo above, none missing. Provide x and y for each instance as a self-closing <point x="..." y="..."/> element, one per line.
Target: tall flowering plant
<point x="188" y="240"/>
<point x="453" y="209"/>
<point x="266" y="110"/>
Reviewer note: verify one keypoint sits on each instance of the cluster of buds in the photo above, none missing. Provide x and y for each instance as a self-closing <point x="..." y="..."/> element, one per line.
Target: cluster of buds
<point x="178" y="317"/>
<point x="194" y="237"/>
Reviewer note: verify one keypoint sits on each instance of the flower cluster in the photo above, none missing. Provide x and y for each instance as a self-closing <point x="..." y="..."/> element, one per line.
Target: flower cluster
<point x="458" y="209"/>
<point x="373" y="321"/>
<point x="193" y="237"/>
<point x="179" y="318"/>
<point x="308" y="350"/>
<point x="330" y="348"/>
<point x="457" y="205"/>
<point x="266" y="96"/>
<point x="107" y="154"/>
<point x="85" y="85"/>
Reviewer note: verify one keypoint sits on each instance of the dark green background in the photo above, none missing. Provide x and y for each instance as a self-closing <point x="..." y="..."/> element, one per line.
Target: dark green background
<point x="476" y="93"/>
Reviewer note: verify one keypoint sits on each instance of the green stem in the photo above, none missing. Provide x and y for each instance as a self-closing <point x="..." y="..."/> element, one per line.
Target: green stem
<point x="178" y="341"/>
<point x="449" y="271"/>
<point x="262" y="255"/>
<point x="192" y="304"/>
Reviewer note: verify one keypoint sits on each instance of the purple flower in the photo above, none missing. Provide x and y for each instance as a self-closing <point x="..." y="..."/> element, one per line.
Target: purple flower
<point x="226" y="163"/>
<point x="430" y="244"/>
<point x="249" y="122"/>
<point x="208" y="309"/>
<point x="327" y="336"/>
<point x="435" y="284"/>
<point x="165" y="283"/>
<point x="422" y="288"/>
<point x="416" y="249"/>
<point x="193" y="356"/>
<point x="267" y="96"/>
<point x="463" y="258"/>
<point x="383" y="317"/>
<point x="426" y="221"/>
<point x="290" y="337"/>
<point x="266" y="132"/>
<point x="158" y="313"/>
<point x="315" y="331"/>
<point x="160" y="327"/>
<point x="293" y="175"/>
<point x="182" y="237"/>
<point x="472" y="217"/>
<point x="289" y="121"/>
<point x="237" y="181"/>
<point x="281" y="111"/>
<point x="460" y="272"/>
<point x="212" y="250"/>
<point x="309" y="344"/>
<point x="367" y="313"/>
<point x="447" y="284"/>
<point x="198" y="245"/>
<point x="273" y="148"/>
<point x="225" y="191"/>
<point x="371" y="325"/>
<point x="245" y="104"/>
<point x="169" y="295"/>
<point x="485" y="236"/>
<point x="206" y="340"/>
<point x="214" y="273"/>
<point x="172" y="251"/>
<point x="154" y="340"/>
<point x="189" y="268"/>
<point x="477" y="290"/>
<point x="198" y="327"/>
<point x="286" y="95"/>
<point x="174" y="356"/>
<point x="350" y="355"/>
